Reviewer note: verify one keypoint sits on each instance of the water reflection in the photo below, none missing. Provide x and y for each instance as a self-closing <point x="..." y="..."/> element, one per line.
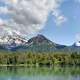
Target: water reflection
<point x="42" y="73"/>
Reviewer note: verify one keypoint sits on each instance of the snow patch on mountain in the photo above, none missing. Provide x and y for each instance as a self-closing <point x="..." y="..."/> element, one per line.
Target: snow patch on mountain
<point x="77" y="43"/>
<point x="12" y="39"/>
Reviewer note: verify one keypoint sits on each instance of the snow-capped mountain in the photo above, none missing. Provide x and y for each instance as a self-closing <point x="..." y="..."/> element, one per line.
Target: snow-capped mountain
<point x="77" y="44"/>
<point x="12" y="39"/>
<point x="10" y="42"/>
<point x="38" y="43"/>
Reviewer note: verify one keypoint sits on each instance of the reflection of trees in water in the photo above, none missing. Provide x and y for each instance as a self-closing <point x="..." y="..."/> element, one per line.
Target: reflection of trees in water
<point x="39" y="71"/>
<point x="12" y="69"/>
<point x="8" y="69"/>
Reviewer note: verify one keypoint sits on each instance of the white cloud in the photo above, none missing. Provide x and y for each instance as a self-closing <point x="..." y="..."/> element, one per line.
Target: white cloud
<point x="60" y="19"/>
<point x="3" y="10"/>
<point x="29" y="16"/>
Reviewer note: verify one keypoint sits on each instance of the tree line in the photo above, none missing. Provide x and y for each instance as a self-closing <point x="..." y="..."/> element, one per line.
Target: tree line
<point x="39" y="59"/>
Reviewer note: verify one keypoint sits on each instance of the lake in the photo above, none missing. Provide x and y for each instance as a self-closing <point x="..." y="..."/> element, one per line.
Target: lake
<point x="40" y="73"/>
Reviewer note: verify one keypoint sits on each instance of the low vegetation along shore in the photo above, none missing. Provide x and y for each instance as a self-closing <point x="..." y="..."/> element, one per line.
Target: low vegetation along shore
<point x="38" y="59"/>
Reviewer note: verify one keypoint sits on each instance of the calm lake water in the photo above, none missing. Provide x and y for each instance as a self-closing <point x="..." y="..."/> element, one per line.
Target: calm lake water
<point x="43" y="73"/>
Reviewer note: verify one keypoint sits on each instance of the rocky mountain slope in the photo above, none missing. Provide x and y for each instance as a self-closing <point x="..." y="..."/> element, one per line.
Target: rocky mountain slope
<point x="36" y="44"/>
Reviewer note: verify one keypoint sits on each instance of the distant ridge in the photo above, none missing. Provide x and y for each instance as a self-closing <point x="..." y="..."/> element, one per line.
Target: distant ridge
<point x="38" y="43"/>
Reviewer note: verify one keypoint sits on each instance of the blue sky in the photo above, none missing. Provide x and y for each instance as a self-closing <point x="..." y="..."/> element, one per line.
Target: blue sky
<point x="65" y="33"/>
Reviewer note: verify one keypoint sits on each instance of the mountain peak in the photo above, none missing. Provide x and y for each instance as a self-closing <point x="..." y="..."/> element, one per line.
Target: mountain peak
<point x="38" y="43"/>
<point x="38" y="39"/>
<point x="40" y="36"/>
<point x="77" y="43"/>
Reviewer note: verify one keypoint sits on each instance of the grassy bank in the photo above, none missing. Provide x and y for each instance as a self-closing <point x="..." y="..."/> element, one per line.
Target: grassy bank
<point x="38" y="59"/>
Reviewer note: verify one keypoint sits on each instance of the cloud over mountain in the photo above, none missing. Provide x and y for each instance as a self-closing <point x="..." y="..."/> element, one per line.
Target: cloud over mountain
<point x="28" y="16"/>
